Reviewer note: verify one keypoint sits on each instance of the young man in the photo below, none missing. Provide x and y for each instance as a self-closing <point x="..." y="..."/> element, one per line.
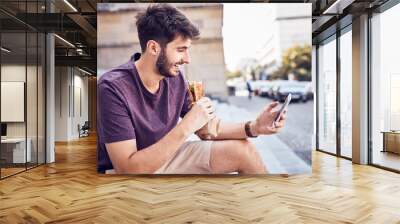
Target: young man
<point x="140" y="102"/>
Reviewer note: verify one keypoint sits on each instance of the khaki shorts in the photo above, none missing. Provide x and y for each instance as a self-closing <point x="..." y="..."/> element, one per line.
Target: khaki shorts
<point x="193" y="157"/>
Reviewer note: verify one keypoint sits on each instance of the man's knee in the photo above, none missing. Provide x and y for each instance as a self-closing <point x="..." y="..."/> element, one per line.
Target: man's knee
<point x="247" y="149"/>
<point x="250" y="159"/>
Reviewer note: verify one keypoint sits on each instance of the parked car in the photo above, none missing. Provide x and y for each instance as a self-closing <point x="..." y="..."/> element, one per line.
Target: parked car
<point x="265" y="88"/>
<point x="255" y="86"/>
<point x="299" y="90"/>
<point x="308" y="91"/>
<point x="273" y="91"/>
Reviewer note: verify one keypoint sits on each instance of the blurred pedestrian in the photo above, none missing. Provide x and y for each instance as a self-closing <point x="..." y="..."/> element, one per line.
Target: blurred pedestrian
<point x="249" y="89"/>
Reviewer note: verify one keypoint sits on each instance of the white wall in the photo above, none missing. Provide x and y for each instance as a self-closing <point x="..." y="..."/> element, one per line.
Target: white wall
<point x="69" y="85"/>
<point x="80" y="83"/>
<point x="33" y="126"/>
<point x="14" y="73"/>
<point x="61" y="103"/>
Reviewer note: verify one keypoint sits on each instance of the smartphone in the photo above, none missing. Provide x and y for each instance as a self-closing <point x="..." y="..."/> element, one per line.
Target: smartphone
<point x="284" y="107"/>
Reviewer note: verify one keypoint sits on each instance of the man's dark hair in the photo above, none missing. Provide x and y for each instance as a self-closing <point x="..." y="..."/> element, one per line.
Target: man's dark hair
<point x="163" y="23"/>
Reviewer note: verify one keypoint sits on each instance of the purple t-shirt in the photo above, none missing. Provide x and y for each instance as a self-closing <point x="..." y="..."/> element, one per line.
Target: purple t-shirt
<point x="127" y="110"/>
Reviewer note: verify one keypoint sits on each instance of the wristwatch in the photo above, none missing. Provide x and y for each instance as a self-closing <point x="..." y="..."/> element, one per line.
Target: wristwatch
<point x="248" y="131"/>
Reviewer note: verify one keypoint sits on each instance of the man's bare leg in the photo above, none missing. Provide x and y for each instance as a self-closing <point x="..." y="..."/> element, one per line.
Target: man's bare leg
<point x="235" y="156"/>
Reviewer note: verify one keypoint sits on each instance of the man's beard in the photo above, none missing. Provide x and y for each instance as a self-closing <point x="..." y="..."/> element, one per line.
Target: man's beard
<point x="163" y="65"/>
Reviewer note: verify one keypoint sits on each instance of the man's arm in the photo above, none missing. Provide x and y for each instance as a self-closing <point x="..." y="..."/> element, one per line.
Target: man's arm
<point x="228" y="130"/>
<point x="127" y="159"/>
<point x="262" y="125"/>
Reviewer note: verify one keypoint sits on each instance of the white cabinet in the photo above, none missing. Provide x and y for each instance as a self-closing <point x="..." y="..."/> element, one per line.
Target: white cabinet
<point x="17" y="148"/>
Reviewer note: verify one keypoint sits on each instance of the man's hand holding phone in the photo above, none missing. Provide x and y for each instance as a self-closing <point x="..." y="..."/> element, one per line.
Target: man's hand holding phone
<point x="270" y="120"/>
<point x="283" y="109"/>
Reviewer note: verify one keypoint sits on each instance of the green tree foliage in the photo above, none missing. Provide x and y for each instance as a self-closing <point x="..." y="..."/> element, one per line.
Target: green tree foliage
<point x="235" y="74"/>
<point x="297" y="61"/>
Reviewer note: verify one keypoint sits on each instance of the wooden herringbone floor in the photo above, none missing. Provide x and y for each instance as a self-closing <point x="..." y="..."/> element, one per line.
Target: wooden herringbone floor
<point x="70" y="191"/>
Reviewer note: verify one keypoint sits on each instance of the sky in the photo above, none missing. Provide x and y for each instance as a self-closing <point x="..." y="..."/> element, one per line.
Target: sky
<point x="243" y="31"/>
